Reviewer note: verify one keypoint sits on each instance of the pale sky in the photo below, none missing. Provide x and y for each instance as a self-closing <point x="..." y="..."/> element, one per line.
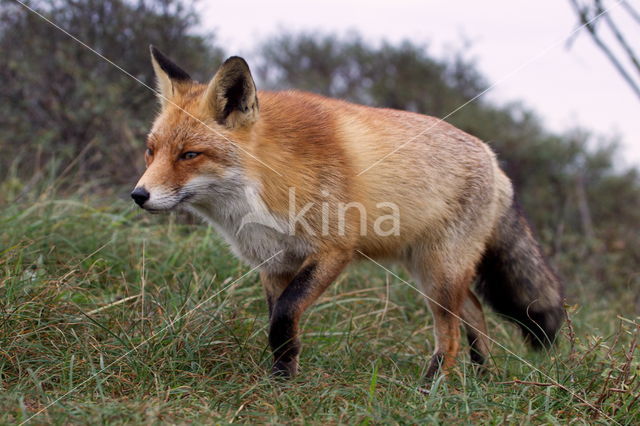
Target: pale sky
<point x="519" y="45"/>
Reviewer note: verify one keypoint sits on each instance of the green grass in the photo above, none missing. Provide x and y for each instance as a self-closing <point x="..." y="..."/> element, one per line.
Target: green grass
<point x="111" y="316"/>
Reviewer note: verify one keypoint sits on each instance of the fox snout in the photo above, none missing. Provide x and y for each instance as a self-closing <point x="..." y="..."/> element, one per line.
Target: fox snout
<point x="154" y="198"/>
<point x="140" y="195"/>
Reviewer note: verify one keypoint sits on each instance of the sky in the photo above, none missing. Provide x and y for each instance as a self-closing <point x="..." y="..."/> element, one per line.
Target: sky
<point x="521" y="46"/>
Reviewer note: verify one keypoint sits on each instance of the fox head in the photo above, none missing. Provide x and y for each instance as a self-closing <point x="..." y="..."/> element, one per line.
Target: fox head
<point x="191" y="152"/>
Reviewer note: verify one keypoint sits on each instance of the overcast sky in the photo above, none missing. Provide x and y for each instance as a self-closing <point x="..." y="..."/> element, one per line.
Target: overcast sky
<point x="520" y="45"/>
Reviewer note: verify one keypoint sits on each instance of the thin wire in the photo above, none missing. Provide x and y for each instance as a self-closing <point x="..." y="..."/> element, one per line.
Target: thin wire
<point x="581" y="399"/>
<point x="253" y="269"/>
<point x="135" y="348"/>
<point x="145" y="85"/>
<point x="506" y="77"/>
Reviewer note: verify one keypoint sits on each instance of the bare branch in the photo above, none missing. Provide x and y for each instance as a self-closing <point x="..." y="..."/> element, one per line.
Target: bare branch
<point x="590" y="26"/>
<point x="618" y="35"/>
<point x="631" y="11"/>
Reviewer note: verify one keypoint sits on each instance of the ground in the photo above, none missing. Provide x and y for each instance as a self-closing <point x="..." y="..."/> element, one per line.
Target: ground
<point x="108" y="315"/>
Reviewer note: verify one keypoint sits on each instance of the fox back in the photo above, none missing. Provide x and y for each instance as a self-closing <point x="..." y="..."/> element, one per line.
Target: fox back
<point x="299" y="185"/>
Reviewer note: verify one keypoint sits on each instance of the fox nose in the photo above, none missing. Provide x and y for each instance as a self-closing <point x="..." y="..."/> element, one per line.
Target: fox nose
<point x="140" y="195"/>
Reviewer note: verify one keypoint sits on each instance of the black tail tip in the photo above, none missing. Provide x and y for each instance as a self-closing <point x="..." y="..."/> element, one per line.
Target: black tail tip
<point x="540" y="328"/>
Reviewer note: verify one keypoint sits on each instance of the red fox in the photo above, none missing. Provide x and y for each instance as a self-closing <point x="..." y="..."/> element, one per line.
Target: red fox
<point x="294" y="183"/>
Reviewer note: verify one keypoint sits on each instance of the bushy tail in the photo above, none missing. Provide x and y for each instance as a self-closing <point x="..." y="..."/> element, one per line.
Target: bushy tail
<point x="514" y="278"/>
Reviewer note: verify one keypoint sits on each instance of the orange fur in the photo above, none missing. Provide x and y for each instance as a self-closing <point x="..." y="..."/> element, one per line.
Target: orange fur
<point x="251" y="149"/>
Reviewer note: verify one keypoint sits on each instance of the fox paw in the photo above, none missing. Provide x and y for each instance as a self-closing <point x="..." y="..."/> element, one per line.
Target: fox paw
<point x="435" y="367"/>
<point x="285" y="369"/>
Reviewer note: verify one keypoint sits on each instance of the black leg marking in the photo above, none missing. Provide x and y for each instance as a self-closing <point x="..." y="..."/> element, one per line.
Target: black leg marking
<point x="477" y="357"/>
<point x="270" y="305"/>
<point x="434" y="365"/>
<point x="283" y="337"/>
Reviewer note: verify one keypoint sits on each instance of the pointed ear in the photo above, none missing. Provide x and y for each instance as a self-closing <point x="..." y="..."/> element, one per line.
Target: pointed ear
<point x="231" y="97"/>
<point x="169" y="76"/>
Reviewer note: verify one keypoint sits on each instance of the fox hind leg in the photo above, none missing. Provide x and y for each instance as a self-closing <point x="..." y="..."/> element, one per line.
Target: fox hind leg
<point x="476" y="328"/>
<point x="447" y="334"/>
<point x="445" y="293"/>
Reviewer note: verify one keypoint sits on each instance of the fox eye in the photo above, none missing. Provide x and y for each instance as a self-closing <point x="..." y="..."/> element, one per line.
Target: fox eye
<point x="189" y="155"/>
<point x="149" y="151"/>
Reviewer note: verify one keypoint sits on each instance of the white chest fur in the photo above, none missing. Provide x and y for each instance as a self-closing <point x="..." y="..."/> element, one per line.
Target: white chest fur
<point x="247" y="225"/>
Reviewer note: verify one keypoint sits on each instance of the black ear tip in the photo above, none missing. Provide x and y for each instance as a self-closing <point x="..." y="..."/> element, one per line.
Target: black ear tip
<point x="237" y="61"/>
<point x="158" y="55"/>
<point x="173" y="71"/>
<point x="155" y="52"/>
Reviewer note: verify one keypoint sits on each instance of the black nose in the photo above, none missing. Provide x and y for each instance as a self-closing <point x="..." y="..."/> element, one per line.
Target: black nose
<point x="140" y="195"/>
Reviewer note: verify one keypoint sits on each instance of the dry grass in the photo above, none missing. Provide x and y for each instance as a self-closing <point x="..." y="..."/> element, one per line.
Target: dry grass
<point x="108" y="316"/>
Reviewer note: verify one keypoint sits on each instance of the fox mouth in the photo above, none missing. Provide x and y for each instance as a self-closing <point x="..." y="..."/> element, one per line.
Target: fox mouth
<point x="186" y="197"/>
<point x="156" y="210"/>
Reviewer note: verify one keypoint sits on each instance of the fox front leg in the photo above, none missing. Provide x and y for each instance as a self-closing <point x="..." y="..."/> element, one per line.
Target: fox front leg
<point x="313" y="278"/>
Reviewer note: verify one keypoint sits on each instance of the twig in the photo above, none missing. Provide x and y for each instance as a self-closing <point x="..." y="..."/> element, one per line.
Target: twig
<point x="621" y="40"/>
<point x="634" y="14"/>
<point x="593" y="407"/>
<point x="525" y="382"/>
<point x="110" y="305"/>
<point x="591" y="29"/>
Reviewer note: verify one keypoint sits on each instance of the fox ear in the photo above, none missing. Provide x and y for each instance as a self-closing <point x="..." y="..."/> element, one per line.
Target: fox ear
<point x="168" y="75"/>
<point x="231" y="96"/>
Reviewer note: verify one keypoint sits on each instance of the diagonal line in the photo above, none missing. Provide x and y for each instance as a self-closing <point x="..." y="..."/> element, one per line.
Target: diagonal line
<point x="546" y="376"/>
<point x="277" y="253"/>
<point x="499" y="81"/>
<point x="76" y="39"/>
<point x="144" y="342"/>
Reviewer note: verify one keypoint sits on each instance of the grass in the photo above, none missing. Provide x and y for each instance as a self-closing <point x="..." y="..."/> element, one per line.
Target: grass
<point x="111" y="316"/>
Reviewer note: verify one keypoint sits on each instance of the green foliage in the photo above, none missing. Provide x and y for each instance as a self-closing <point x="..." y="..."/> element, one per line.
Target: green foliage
<point x="394" y="76"/>
<point x="113" y="316"/>
<point x="568" y="184"/>
<point x="69" y="107"/>
<point x="139" y="318"/>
